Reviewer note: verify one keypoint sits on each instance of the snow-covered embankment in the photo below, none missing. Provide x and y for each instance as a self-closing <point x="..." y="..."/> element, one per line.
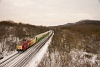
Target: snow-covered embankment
<point x="38" y="57"/>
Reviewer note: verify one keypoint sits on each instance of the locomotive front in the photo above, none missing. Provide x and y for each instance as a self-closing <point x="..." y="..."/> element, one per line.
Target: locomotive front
<point x="19" y="46"/>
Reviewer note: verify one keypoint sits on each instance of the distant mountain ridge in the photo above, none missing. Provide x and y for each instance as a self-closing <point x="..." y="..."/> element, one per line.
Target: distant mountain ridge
<point x="93" y="22"/>
<point x="88" y="22"/>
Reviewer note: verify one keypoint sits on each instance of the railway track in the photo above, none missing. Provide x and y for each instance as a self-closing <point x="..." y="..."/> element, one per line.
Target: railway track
<point x="21" y="59"/>
<point x="6" y="61"/>
<point x="29" y="55"/>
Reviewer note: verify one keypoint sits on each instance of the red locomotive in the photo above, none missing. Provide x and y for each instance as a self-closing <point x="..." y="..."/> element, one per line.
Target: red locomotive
<point x="28" y="42"/>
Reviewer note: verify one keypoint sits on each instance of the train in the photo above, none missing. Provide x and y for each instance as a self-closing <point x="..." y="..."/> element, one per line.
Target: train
<point x="25" y="43"/>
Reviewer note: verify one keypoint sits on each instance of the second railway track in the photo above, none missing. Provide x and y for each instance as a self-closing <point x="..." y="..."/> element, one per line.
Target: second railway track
<point x="6" y="61"/>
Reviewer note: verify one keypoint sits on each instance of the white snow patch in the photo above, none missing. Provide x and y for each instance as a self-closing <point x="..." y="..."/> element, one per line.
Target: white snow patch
<point x="6" y="43"/>
<point x="10" y="54"/>
<point x="38" y="57"/>
<point x="80" y="57"/>
<point x="93" y="59"/>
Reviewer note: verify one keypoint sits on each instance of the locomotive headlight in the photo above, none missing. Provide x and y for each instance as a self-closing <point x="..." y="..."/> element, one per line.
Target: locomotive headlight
<point x="19" y="47"/>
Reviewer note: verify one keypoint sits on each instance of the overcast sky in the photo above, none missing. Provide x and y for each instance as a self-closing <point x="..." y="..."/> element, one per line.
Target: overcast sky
<point x="49" y="12"/>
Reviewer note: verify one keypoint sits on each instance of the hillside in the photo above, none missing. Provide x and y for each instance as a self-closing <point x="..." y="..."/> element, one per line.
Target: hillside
<point x="73" y="45"/>
<point x="11" y="33"/>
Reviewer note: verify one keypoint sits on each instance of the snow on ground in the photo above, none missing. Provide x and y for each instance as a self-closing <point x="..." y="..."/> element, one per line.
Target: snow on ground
<point x="7" y="45"/>
<point x="38" y="57"/>
<point x="10" y="54"/>
<point x="80" y="57"/>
